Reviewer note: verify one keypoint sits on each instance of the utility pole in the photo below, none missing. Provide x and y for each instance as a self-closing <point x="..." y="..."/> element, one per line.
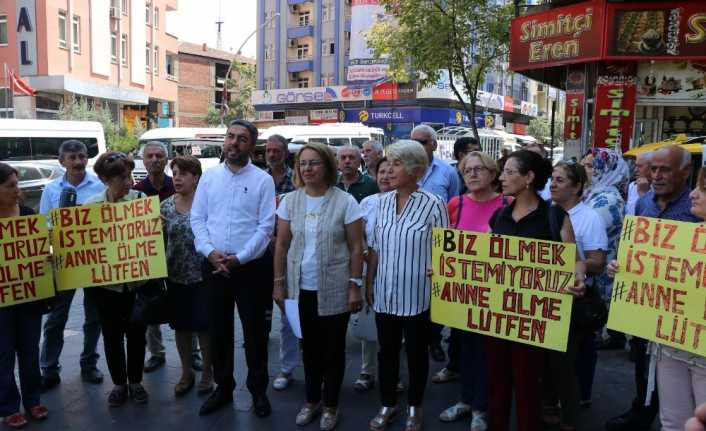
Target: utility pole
<point x="219" y="23"/>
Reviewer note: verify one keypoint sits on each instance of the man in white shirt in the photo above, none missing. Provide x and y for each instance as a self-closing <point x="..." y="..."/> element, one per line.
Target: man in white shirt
<point x="232" y="218"/>
<point x="642" y="183"/>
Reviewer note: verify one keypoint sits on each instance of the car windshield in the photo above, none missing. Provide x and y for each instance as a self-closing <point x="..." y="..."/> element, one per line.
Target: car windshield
<point x="199" y="148"/>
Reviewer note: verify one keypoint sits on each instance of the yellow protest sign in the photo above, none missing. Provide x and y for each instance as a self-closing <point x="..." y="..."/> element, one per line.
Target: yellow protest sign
<point x="503" y="286"/>
<point x="659" y="292"/>
<point x="25" y="268"/>
<point x="108" y="243"/>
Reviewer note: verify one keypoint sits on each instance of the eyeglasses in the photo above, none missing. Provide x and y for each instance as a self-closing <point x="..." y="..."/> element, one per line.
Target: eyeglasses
<point x="115" y="156"/>
<point x="309" y="163"/>
<point x="476" y="170"/>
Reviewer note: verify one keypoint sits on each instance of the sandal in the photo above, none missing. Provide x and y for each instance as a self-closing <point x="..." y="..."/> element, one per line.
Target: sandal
<point x="204" y="387"/>
<point x="364" y="383"/>
<point x="118" y="396"/>
<point x="38" y="412"/>
<point x="16" y="420"/>
<point x="184" y="386"/>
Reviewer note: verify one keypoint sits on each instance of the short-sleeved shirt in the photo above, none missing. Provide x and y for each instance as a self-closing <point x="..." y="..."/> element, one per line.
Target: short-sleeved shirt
<point x="589" y="230"/>
<point x="146" y="187"/>
<point x="534" y="225"/>
<point x="361" y="189"/>
<point x="183" y="262"/>
<point x="441" y="179"/>
<point x="309" y="279"/>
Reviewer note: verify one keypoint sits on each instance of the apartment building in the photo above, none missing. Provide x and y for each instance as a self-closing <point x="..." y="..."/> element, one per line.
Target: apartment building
<point x="111" y="52"/>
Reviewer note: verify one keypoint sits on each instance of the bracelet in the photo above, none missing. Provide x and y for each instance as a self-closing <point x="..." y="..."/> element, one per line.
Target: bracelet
<point x="279" y="279"/>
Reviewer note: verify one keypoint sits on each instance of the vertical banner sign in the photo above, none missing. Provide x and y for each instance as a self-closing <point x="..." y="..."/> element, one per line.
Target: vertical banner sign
<point x="660" y="291"/>
<point x="614" y="112"/>
<point x="502" y="286"/>
<point x="25" y="268"/>
<point x="573" y="123"/>
<point x="110" y="243"/>
<point x="362" y="65"/>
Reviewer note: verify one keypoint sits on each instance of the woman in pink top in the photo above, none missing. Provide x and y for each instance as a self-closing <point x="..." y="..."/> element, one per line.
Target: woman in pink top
<point x="472" y="211"/>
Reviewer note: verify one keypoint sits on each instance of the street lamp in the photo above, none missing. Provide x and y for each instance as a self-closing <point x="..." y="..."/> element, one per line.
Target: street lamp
<point x="224" y="102"/>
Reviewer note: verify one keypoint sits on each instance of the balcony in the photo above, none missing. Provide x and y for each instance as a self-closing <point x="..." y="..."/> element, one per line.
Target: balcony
<point x="297" y="65"/>
<point x="294" y="2"/>
<point x="297" y="32"/>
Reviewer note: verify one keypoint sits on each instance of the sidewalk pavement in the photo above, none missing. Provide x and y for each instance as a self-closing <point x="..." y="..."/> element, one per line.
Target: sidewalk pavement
<point x="78" y="406"/>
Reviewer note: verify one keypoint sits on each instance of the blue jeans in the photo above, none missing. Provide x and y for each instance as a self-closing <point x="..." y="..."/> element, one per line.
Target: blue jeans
<point x="55" y="324"/>
<point x="474" y="372"/>
<point x="19" y="337"/>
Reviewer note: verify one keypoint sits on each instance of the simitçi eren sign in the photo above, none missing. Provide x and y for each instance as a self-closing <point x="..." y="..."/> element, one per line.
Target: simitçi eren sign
<point x="564" y="35"/>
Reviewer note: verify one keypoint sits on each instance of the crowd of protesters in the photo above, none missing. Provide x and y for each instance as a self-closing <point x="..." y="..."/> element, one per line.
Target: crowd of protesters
<point x="341" y="240"/>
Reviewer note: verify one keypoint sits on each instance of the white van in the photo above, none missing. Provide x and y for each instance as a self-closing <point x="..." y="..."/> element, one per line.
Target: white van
<point x="333" y="134"/>
<point x="491" y="142"/>
<point x="204" y="143"/>
<point x="40" y="139"/>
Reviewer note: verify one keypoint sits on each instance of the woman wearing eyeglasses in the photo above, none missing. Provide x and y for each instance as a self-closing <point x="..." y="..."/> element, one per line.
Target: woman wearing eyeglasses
<point x="319" y="254"/>
<point x="567" y="187"/>
<point x="115" y="302"/>
<point x="472" y="211"/>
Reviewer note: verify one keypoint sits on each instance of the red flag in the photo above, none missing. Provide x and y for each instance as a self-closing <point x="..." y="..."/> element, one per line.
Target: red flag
<point x="20" y="86"/>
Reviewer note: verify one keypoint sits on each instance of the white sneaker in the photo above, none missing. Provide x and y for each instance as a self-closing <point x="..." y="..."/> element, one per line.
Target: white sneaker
<point x="478" y="423"/>
<point x="282" y="381"/>
<point x="455" y="412"/>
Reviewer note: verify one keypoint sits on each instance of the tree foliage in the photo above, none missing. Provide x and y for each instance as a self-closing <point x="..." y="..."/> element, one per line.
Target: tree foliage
<point x="117" y="137"/>
<point x="240" y="87"/>
<point x="540" y="129"/>
<point x="463" y="37"/>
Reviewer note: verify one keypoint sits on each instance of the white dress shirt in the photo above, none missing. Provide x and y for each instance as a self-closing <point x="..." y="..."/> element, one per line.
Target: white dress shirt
<point x="234" y="212"/>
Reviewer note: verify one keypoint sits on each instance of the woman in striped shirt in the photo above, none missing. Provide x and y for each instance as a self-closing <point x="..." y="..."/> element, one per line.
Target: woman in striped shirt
<point x="400" y="268"/>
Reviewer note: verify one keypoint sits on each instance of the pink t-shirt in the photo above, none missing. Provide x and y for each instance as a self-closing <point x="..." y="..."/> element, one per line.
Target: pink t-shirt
<point x="475" y="216"/>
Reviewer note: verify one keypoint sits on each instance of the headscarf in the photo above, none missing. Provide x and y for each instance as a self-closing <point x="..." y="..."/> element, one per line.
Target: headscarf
<point x="610" y="172"/>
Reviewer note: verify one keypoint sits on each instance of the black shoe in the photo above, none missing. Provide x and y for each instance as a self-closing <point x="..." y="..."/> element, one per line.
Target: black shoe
<point x="50" y="381"/>
<point x="261" y="406"/>
<point x="197" y="362"/>
<point x="92" y="375"/>
<point x="218" y="399"/>
<point x="138" y="393"/>
<point x="153" y="363"/>
<point x="630" y="421"/>
<point x="437" y="354"/>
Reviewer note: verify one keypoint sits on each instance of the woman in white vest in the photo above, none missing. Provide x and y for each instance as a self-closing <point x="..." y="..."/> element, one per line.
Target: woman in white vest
<point x="319" y="253"/>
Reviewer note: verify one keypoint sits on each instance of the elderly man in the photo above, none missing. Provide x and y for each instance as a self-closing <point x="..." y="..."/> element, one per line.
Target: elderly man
<point x="442" y="180"/>
<point x="233" y="219"/>
<point x="668" y="199"/>
<point x="642" y="182"/>
<point x="72" y="189"/>
<point x="157" y="183"/>
<point x="372" y="153"/>
<point x="276" y="151"/>
<point x="351" y="179"/>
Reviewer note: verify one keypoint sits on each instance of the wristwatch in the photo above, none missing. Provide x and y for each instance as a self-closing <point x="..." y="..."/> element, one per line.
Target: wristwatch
<point x="357" y="281"/>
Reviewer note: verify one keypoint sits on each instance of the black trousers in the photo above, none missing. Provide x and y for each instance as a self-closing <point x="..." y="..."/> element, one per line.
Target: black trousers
<point x="323" y="350"/>
<point x="241" y="289"/>
<point x="115" y="313"/>
<point x="391" y="330"/>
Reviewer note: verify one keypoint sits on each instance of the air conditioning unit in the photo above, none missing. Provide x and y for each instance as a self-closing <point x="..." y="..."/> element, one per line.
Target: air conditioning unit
<point x="292" y="43"/>
<point x="294" y="76"/>
<point x="114" y="13"/>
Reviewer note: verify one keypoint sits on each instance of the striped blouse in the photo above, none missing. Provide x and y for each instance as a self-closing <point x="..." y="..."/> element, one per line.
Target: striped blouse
<point x="403" y="245"/>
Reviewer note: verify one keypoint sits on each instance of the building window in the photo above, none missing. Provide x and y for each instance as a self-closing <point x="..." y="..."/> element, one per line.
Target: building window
<point x="155" y="64"/>
<point x="76" y="39"/>
<point x="124" y="7"/>
<point x="302" y="52"/>
<point x="269" y="52"/>
<point x="303" y="83"/>
<point x="270" y="19"/>
<point x="123" y="49"/>
<point x="148" y="58"/>
<point x="269" y="83"/>
<point x="304" y="19"/>
<point x="148" y="13"/>
<point x="327" y="11"/>
<point x="3" y="29"/>
<point x="114" y="48"/>
<point x="171" y="66"/>
<point x="62" y="29"/>
<point x="156" y="17"/>
<point x="328" y="47"/>
<point x="327" y="79"/>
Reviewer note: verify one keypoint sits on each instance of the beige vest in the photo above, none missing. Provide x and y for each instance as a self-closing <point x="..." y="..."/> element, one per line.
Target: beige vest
<point x="332" y="254"/>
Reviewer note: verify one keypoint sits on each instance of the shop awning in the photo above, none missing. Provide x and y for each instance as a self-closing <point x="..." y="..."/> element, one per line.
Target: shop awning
<point x="692" y="145"/>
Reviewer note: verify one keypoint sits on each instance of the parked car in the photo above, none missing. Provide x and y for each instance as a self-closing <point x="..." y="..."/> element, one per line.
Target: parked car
<point x="33" y="177"/>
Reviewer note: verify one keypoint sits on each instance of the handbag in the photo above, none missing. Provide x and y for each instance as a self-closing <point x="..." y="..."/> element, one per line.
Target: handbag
<point x="151" y="303"/>
<point x="590" y="312"/>
<point x="363" y="326"/>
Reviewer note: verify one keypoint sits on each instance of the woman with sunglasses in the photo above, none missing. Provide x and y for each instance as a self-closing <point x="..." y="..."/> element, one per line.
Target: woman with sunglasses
<point x="20" y="327"/>
<point x="319" y="255"/>
<point x="567" y="188"/>
<point x="115" y="302"/>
